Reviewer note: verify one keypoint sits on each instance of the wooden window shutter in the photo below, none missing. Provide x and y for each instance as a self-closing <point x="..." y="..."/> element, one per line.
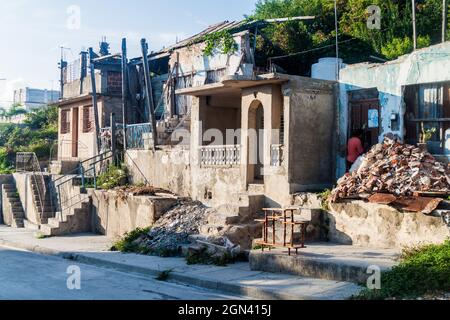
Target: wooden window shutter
<point x="88" y="119"/>
<point x="65" y="122"/>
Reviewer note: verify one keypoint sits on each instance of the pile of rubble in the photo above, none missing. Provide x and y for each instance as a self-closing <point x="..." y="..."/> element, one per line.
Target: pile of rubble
<point x="173" y="229"/>
<point x="397" y="169"/>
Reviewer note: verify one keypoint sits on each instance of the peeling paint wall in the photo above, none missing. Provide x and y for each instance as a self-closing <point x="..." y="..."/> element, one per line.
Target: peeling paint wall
<point x="427" y="65"/>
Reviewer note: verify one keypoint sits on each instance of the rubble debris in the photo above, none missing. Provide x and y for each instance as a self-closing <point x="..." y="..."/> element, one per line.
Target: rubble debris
<point x="173" y="229"/>
<point x="412" y="204"/>
<point x="394" y="168"/>
<point x="144" y="190"/>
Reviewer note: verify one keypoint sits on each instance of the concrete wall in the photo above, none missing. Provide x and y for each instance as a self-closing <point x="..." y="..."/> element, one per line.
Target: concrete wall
<point x="373" y="225"/>
<point x="4" y="179"/>
<point x="311" y="135"/>
<point x="427" y="65"/>
<point x="168" y="169"/>
<point x="72" y="89"/>
<point x="23" y="185"/>
<point x="114" y="217"/>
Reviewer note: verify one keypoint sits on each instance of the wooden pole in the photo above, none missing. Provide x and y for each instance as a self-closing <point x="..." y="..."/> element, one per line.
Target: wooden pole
<point x="149" y="91"/>
<point x="94" y="99"/>
<point x="444" y="20"/>
<point x="113" y="138"/>
<point x="414" y="23"/>
<point x="124" y="91"/>
<point x="337" y="40"/>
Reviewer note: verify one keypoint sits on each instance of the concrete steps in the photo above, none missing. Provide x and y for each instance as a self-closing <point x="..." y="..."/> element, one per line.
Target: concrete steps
<point x="12" y="207"/>
<point x="77" y="219"/>
<point x="237" y="222"/>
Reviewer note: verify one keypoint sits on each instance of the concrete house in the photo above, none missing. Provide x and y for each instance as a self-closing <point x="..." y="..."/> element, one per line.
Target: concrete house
<point x="402" y="97"/>
<point x="221" y="111"/>
<point x="77" y="132"/>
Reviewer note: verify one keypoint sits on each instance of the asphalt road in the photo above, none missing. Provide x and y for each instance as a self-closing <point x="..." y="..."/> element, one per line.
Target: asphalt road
<point x="30" y="276"/>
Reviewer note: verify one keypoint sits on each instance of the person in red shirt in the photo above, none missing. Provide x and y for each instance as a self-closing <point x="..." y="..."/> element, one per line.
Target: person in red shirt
<point x="355" y="148"/>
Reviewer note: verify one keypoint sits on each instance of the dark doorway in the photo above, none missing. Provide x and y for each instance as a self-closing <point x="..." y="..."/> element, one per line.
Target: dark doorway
<point x="364" y="109"/>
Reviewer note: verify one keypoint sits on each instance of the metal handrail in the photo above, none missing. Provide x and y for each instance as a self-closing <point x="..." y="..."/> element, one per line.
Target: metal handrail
<point x="36" y="169"/>
<point x="81" y="173"/>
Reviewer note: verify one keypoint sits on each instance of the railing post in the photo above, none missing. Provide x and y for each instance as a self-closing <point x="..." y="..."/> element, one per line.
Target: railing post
<point x="83" y="182"/>
<point x="95" y="177"/>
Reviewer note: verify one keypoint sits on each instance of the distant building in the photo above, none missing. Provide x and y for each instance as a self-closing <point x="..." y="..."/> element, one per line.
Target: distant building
<point x="32" y="98"/>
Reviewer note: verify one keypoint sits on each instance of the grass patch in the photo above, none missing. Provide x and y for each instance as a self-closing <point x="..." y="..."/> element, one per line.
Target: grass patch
<point x="204" y="257"/>
<point x="128" y="244"/>
<point x="423" y="271"/>
<point x="164" y="275"/>
<point x="40" y="236"/>
<point x="325" y="195"/>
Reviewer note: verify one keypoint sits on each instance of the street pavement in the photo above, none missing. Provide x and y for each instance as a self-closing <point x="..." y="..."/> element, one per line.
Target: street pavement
<point x="31" y="276"/>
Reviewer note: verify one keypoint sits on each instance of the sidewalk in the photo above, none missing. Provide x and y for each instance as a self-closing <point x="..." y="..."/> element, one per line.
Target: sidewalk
<point x="235" y="278"/>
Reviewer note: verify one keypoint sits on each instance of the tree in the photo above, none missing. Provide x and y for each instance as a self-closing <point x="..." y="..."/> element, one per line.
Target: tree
<point x="358" y="42"/>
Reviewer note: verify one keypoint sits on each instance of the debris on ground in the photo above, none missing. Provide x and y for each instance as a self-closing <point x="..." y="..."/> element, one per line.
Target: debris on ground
<point x="141" y="190"/>
<point x="173" y="229"/>
<point x="394" y="168"/>
<point x="217" y="250"/>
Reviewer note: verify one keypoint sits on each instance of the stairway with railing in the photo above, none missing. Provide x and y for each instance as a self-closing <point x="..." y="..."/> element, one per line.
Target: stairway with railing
<point x="29" y="163"/>
<point x="73" y="202"/>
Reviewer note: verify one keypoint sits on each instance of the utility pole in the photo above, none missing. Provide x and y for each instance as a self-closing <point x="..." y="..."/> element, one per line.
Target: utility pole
<point x="62" y="66"/>
<point x="124" y="91"/>
<point x="148" y="92"/>
<point x="338" y="67"/>
<point x="414" y="24"/>
<point x="444" y="20"/>
<point x="94" y="99"/>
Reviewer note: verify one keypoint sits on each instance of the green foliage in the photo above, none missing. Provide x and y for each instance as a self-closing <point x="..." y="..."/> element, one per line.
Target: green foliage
<point x="422" y="271"/>
<point x="203" y="257"/>
<point x="128" y="243"/>
<point x="37" y="134"/>
<point x="318" y="34"/>
<point x="164" y="275"/>
<point x="15" y="110"/>
<point x="325" y="195"/>
<point x="112" y="178"/>
<point x="221" y="41"/>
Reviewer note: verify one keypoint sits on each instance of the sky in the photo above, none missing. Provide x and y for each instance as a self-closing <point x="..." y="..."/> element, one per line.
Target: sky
<point x="32" y="32"/>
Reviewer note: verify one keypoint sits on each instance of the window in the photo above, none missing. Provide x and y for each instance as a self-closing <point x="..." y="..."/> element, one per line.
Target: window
<point x="428" y="108"/>
<point x="88" y="119"/>
<point x="65" y="121"/>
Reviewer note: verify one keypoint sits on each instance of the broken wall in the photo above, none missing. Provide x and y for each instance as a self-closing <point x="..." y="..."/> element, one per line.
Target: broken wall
<point x="167" y="169"/>
<point x="427" y="65"/>
<point x="374" y="225"/>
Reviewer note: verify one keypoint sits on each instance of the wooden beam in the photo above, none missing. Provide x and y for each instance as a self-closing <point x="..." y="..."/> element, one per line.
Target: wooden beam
<point x="124" y="91"/>
<point x="94" y="99"/>
<point x="149" y="91"/>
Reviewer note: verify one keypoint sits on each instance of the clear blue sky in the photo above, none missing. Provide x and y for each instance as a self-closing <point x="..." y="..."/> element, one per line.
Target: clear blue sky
<point x="31" y="31"/>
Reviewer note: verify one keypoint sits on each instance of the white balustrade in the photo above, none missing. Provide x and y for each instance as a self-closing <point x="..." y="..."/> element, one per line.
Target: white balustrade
<point x="220" y="155"/>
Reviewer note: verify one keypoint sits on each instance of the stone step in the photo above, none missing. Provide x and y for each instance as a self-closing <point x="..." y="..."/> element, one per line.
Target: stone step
<point x="325" y="261"/>
<point x="17" y="223"/>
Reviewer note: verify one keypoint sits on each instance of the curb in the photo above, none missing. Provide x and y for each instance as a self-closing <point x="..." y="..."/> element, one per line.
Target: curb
<point x="225" y="287"/>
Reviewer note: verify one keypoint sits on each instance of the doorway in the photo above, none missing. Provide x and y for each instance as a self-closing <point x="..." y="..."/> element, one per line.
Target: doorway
<point x="364" y="109"/>
<point x="256" y="143"/>
<point x="75" y="136"/>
